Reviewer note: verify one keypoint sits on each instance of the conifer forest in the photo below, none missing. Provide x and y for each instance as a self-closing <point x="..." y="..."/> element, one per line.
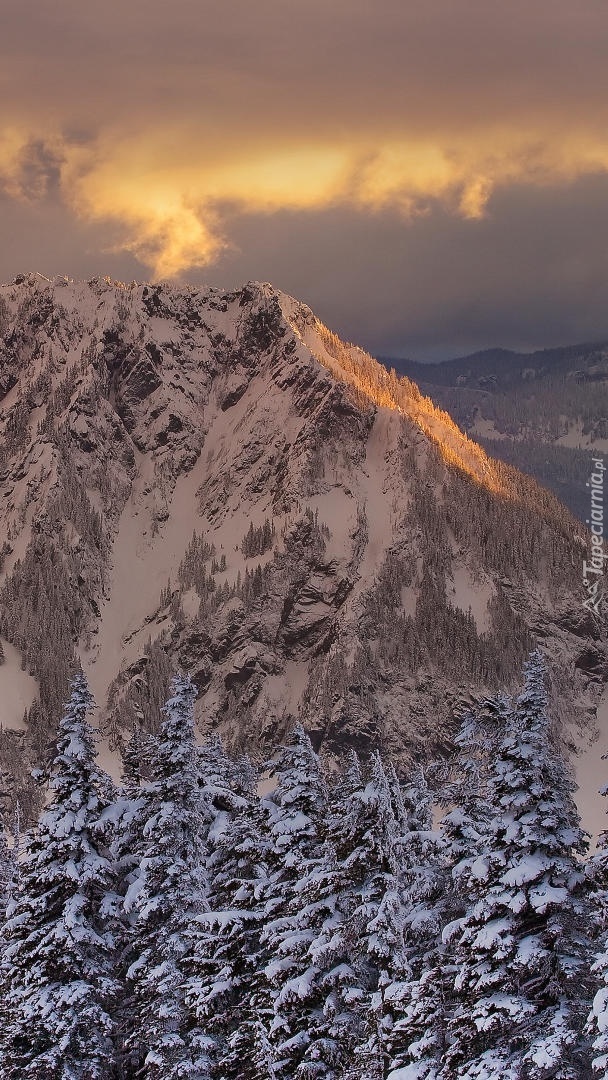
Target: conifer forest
<point x="206" y="918"/>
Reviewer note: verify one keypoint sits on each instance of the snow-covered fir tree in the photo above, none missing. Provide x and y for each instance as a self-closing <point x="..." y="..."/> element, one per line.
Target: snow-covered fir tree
<point x="9" y="869"/>
<point x="127" y="852"/>
<point x="521" y="951"/>
<point x="414" y="998"/>
<point x="226" y="988"/>
<point x="366" y="834"/>
<point x="296" y="810"/>
<point x="420" y="996"/>
<point x="597" y="1023"/>
<point x="340" y="935"/>
<point x="165" y="1041"/>
<point x="137" y="756"/>
<point x="58" y="971"/>
<point x="311" y="971"/>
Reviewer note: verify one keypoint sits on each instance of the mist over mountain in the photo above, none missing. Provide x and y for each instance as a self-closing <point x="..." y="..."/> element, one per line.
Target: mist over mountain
<point x="214" y="481"/>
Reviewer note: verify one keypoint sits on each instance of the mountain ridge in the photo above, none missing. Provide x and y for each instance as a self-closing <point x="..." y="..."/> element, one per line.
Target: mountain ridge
<point x="489" y="355"/>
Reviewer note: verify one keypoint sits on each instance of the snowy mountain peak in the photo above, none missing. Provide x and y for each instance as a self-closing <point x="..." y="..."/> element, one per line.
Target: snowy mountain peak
<point x="215" y="480"/>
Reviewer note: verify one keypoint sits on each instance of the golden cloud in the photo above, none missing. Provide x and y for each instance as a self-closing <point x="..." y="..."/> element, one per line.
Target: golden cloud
<point x="170" y="193"/>
<point x="162" y="122"/>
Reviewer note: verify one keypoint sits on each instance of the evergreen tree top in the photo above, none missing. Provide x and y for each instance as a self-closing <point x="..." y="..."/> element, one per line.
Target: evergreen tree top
<point x="75" y="776"/>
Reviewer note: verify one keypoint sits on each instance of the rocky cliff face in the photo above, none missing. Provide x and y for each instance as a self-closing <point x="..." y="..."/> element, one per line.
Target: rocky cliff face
<point x="213" y="480"/>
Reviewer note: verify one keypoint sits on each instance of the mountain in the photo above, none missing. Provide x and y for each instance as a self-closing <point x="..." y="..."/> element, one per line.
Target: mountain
<point x="213" y="480"/>
<point x="545" y="412"/>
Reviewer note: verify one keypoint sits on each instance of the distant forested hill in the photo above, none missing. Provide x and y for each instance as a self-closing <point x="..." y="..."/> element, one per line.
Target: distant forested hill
<point x="544" y="412"/>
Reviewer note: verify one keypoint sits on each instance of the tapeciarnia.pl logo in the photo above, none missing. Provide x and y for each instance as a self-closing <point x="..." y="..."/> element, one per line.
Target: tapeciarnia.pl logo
<point x="593" y="571"/>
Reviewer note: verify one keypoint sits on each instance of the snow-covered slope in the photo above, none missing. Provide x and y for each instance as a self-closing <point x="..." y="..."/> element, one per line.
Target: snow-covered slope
<point x="399" y="565"/>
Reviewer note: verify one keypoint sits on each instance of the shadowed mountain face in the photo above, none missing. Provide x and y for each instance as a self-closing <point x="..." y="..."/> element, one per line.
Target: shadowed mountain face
<point x="215" y="481"/>
<point x="544" y="412"/>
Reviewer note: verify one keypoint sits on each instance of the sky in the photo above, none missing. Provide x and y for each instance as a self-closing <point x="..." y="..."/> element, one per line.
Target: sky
<point x="431" y="176"/>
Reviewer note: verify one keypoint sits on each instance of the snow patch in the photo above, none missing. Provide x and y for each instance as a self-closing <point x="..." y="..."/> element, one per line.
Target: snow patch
<point x="18" y="690"/>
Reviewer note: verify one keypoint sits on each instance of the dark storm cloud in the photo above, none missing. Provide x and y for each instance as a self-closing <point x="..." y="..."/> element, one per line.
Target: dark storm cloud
<point x="37" y="172"/>
<point x="533" y="272"/>
<point x="428" y="174"/>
